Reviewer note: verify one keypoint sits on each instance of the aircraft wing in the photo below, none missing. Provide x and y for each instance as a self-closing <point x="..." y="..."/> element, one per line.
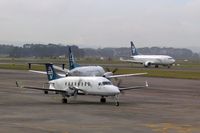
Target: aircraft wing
<point x="134" y="87"/>
<point x="38" y="88"/>
<point x="125" y="75"/>
<point x="42" y="72"/>
<point x="130" y="60"/>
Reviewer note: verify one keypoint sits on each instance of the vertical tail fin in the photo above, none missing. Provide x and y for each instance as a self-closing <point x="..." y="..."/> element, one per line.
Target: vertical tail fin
<point x="51" y="74"/>
<point x="133" y="49"/>
<point x="72" y="63"/>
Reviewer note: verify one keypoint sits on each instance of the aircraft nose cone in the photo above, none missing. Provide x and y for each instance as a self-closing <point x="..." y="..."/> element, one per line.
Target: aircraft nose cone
<point x="114" y="90"/>
<point x="117" y="90"/>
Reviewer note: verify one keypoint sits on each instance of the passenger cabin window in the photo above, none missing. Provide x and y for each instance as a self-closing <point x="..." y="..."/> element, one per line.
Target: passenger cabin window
<point x="106" y="83"/>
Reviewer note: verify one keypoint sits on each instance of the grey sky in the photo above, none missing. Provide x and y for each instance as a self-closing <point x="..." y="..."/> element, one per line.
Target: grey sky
<point x="101" y="23"/>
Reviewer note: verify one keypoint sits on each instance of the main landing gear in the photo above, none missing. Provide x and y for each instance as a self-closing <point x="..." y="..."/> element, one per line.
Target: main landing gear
<point x="116" y="100"/>
<point x="64" y="100"/>
<point x="103" y="100"/>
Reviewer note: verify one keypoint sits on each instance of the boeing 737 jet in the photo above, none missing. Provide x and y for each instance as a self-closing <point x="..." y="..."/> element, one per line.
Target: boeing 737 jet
<point x="80" y="85"/>
<point x="148" y="60"/>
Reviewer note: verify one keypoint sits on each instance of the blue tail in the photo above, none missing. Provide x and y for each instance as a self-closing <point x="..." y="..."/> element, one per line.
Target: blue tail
<point x="51" y="74"/>
<point x="133" y="49"/>
<point x="72" y="63"/>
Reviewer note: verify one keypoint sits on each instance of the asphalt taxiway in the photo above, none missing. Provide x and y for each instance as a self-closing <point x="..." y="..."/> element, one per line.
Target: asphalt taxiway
<point x="168" y="105"/>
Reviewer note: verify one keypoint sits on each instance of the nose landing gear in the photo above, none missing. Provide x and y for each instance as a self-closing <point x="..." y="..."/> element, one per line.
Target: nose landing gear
<point x="103" y="100"/>
<point x="116" y="100"/>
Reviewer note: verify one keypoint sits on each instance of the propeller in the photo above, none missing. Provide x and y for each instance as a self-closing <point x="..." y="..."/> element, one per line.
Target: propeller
<point x="119" y="85"/>
<point x="113" y="71"/>
<point x="110" y="73"/>
<point x="75" y="94"/>
<point x="66" y="71"/>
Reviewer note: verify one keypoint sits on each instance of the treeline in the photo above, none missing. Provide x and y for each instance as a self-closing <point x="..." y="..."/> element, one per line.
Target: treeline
<point x="54" y="50"/>
<point x="38" y="50"/>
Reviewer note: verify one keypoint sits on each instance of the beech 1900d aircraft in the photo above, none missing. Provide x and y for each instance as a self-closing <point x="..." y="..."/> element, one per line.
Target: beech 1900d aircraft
<point x="148" y="60"/>
<point x="73" y="86"/>
<point x="77" y="70"/>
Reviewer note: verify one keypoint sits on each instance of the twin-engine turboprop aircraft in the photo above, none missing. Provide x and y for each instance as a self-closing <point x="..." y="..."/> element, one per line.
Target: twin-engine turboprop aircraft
<point x="84" y="85"/>
<point x="148" y="60"/>
<point x="77" y="70"/>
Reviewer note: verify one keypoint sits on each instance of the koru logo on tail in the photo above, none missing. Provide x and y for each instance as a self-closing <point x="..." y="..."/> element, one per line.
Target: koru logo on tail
<point x="133" y="50"/>
<point x="50" y="72"/>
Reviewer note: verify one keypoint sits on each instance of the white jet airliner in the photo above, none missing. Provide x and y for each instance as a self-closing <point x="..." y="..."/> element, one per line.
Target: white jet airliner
<point x="148" y="60"/>
<point x="73" y="86"/>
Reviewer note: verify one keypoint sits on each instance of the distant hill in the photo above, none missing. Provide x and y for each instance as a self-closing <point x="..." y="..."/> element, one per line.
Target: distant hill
<point x="54" y="50"/>
<point x="195" y="49"/>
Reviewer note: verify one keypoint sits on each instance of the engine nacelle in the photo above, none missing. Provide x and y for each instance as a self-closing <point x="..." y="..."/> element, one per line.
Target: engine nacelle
<point x="147" y="64"/>
<point x="107" y="74"/>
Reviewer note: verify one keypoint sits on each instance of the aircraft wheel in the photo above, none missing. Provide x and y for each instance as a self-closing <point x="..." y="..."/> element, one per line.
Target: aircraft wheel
<point x="46" y="92"/>
<point x="117" y="104"/>
<point x="156" y="66"/>
<point x="103" y="100"/>
<point x="64" y="100"/>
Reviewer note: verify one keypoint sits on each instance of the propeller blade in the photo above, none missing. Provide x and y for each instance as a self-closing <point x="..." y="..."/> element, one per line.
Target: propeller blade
<point x="119" y="82"/>
<point x="107" y="69"/>
<point x="115" y="70"/>
<point x="75" y="94"/>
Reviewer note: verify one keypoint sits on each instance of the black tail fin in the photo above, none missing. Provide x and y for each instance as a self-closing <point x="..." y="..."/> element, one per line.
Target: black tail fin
<point x="72" y="63"/>
<point x="51" y="74"/>
<point x="133" y="49"/>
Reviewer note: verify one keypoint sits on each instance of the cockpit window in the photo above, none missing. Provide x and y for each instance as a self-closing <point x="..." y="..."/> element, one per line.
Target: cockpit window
<point x="106" y="83"/>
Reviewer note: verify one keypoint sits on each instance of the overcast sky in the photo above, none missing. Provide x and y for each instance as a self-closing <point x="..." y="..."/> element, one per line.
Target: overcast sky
<point x="101" y="23"/>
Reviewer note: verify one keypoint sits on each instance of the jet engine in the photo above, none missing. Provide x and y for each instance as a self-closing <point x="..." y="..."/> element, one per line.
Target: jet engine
<point x="147" y="64"/>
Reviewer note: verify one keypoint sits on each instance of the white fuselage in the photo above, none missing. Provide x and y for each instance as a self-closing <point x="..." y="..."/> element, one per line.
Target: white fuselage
<point x="87" y="85"/>
<point x="153" y="59"/>
<point x="87" y="71"/>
